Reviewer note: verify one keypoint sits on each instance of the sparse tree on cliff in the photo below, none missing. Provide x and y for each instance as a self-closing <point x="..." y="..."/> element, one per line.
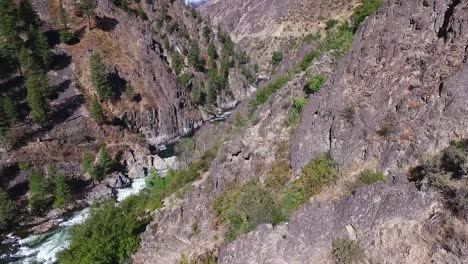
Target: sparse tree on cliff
<point x="96" y="111"/>
<point x="99" y="78"/>
<point x="88" y="7"/>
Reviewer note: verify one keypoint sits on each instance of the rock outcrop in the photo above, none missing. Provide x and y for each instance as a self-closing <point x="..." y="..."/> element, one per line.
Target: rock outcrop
<point x="400" y="93"/>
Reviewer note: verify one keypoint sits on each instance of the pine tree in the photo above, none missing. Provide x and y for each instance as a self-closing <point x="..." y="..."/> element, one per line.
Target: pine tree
<point x="26" y="61"/>
<point x="99" y="78"/>
<point x="87" y="165"/>
<point x="10" y="41"/>
<point x="194" y="56"/>
<point x="61" y="189"/>
<point x="36" y="84"/>
<point x="63" y="20"/>
<point x="40" y="47"/>
<point x="105" y="163"/>
<point x="9" y="109"/>
<point x="177" y="62"/>
<point x="6" y="211"/>
<point x="88" y="6"/>
<point x="212" y="51"/>
<point x="27" y="15"/>
<point x="96" y="111"/>
<point x="37" y="189"/>
<point x="7" y="137"/>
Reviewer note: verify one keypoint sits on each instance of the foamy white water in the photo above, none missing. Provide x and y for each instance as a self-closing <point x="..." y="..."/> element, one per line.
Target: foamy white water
<point x="43" y="249"/>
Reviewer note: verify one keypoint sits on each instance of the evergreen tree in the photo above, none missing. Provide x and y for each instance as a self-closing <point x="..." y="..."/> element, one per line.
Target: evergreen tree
<point x="36" y="84"/>
<point x="177" y="62"/>
<point x="212" y="51"/>
<point x="10" y="42"/>
<point x="99" y="78"/>
<point x="40" y="47"/>
<point x="87" y="165"/>
<point x="9" y="109"/>
<point x="96" y="111"/>
<point x="63" y="20"/>
<point x="27" y="15"/>
<point x="194" y="56"/>
<point x="105" y="163"/>
<point x="7" y="137"/>
<point x="88" y="6"/>
<point x="37" y="190"/>
<point x="61" y="189"/>
<point x="26" y="62"/>
<point x="6" y="211"/>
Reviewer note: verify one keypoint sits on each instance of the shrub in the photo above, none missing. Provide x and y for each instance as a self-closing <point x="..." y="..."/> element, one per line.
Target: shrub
<point x="315" y="175"/>
<point x="278" y="175"/>
<point x="348" y="114"/>
<point x="318" y="173"/>
<point x="207" y="258"/>
<point x="264" y="93"/>
<point x="109" y="235"/>
<point x="312" y="37"/>
<point x="307" y="60"/>
<point x="295" y="111"/>
<point x="367" y="8"/>
<point x="315" y="83"/>
<point x="338" y="41"/>
<point x="240" y="120"/>
<point x="331" y="23"/>
<point x="245" y="208"/>
<point x="347" y="251"/>
<point x="369" y="177"/>
<point x="276" y="58"/>
<point x="7" y="213"/>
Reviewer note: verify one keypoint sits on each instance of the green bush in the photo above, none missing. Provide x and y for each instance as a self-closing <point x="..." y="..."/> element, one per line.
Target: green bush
<point x="312" y="37"/>
<point x="315" y="175"/>
<point x="295" y="111"/>
<point x="338" y="41"/>
<point x="177" y="62"/>
<point x="276" y="58"/>
<point x="7" y="213"/>
<point x="264" y="93"/>
<point x="331" y="23"/>
<point x="243" y="209"/>
<point x="367" y="8"/>
<point x="60" y="187"/>
<point x="307" y="60"/>
<point x="369" y="177"/>
<point x="109" y="235"/>
<point x="347" y="251"/>
<point x="67" y="36"/>
<point x="207" y="258"/>
<point x="315" y="83"/>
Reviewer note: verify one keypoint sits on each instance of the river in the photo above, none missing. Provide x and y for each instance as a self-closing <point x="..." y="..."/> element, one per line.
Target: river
<point x="43" y="248"/>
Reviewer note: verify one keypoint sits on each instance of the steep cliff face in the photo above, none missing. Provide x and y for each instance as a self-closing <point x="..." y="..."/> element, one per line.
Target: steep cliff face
<point x="400" y="93"/>
<point x="396" y="96"/>
<point x="261" y="27"/>
<point x="139" y="51"/>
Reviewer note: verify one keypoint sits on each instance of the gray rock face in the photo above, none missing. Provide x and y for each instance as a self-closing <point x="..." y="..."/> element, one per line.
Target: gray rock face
<point x="308" y="236"/>
<point x="401" y="91"/>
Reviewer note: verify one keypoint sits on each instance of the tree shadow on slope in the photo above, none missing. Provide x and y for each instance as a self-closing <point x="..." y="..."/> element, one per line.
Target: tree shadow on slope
<point x="60" y="61"/>
<point x="106" y="24"/>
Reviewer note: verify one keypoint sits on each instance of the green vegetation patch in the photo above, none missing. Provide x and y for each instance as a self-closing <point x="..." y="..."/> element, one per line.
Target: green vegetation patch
<point x="315" y="83"/>
<point x="346" y="251"/>
<point x="242" y="209"/>
<point x="295" y="110"/>
<point x="112" y="232"/>
<point x="264" y="93"/>
<point x="369" y="176"/>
